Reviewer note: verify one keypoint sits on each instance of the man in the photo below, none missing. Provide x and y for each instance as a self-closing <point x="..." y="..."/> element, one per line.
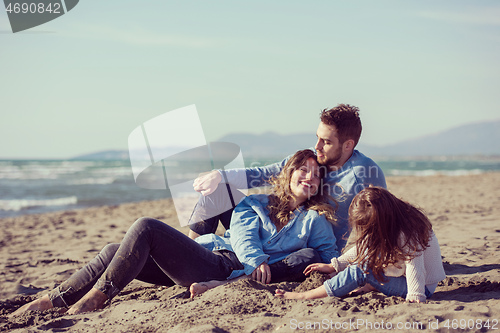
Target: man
<point x="349" y="171"/>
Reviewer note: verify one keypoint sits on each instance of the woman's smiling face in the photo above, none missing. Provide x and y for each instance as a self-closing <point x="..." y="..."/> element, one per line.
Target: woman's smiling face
<point x="304" y="182"/>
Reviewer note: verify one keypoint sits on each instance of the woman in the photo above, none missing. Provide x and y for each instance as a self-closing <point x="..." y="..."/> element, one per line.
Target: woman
<point x="272" y="238"/>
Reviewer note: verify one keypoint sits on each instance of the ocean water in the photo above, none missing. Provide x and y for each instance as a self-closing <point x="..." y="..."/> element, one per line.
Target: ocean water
<point x="38" y="186"/>
<point x="449" y="166"/>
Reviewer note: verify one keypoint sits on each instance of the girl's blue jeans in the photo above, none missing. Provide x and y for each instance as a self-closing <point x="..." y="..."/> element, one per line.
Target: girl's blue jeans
<point x="353" y="277"/>
<point x="154" y="252"/>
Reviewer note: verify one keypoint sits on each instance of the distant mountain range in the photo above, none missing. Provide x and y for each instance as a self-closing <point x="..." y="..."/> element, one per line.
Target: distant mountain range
<point x="472" y="139"/>
<point x="104" y="155"/>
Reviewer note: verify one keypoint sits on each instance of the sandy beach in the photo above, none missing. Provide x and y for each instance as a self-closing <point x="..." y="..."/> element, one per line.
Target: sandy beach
<point x="37" y="252"/>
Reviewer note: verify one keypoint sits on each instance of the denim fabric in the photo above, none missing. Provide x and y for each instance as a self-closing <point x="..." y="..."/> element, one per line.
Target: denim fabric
<point x="154" y="252"/>
<point x="151" y="251"/>
<point x="255" y="239"/>
<point x="357" y="173"/>
<point x="353" y="277"/>
<point x="206" y="214"/>
<point x="291" y="269"/>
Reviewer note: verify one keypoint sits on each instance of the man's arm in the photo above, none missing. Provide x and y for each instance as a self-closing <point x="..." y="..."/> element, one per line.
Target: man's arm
<point x="240" y="178"/>
<point x="252" y="177"/>
<point x="367" y="172"/>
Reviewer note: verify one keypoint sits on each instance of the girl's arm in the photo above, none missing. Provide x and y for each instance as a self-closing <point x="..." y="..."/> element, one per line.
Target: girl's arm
<point x="345" y="259"/>
<point x="319" y="267"/>
<point x="415" y="279"/>
<point x="319" y="292"/>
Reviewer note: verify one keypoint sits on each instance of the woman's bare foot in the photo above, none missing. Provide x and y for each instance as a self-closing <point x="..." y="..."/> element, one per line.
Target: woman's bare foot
<point x="92" y="301"/>
<point x="40" y="304"/>
<point x="199" y="288"/>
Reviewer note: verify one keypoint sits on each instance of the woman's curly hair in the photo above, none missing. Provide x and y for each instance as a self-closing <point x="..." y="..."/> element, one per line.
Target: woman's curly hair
<point x="279" y="199"/>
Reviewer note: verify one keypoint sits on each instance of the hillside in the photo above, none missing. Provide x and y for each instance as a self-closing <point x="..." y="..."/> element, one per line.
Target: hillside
<point x="471" y="139"/>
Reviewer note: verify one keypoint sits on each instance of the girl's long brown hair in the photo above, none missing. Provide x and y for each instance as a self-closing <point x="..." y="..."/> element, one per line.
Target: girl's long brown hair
<point x="387" y="229"/>
<point x="280" y="198"/>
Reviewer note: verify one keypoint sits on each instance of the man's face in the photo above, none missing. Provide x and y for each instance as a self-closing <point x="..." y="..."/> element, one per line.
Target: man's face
<point x="328" y="147"/>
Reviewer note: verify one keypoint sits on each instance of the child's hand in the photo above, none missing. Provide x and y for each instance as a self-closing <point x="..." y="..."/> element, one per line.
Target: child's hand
<point x="319" y="292"/>
<point x="416" y="301"/>
<point x="323" y="268"/>
<point x="286" y="294"/>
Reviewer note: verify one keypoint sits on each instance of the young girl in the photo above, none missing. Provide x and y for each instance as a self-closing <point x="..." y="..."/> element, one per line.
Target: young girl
<point x="396" y="252"/>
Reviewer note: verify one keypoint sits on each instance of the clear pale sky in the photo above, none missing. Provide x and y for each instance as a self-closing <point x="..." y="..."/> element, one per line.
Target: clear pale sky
<point x="83" y="82"/>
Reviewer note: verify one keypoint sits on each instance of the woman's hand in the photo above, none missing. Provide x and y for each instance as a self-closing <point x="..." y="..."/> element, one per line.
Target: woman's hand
<point x="262" y="273"/>
<point x="323" y="268"/>
<point x="207" y="183"/>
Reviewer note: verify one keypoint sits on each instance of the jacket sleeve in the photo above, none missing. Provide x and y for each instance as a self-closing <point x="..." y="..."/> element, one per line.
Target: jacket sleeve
<point x="245" y="239"/>
<point x="368" y="175"/>
<point x="252" y="177"/>
<point x="322" y="238"/>
<point x="345" y="259"/>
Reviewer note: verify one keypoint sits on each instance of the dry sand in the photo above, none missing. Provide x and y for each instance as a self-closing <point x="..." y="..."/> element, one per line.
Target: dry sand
<point x="37" y="252"/>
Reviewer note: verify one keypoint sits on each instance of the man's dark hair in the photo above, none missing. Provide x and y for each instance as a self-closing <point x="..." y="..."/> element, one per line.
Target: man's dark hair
<point x="346" y="120"/>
